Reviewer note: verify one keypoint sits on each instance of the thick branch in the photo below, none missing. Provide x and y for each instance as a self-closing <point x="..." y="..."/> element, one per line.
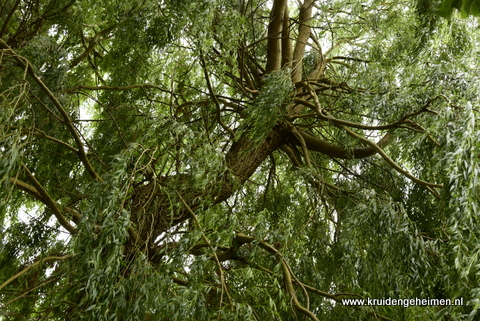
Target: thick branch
<point x="319" y="145"/>
<point x="274" y="53"/>
<point x="245" y="155"/>
<point x="287" y="50"/>
<point x="303" y="35"/>
<point x="292" y="154"/>
<point x="29" y="189"/>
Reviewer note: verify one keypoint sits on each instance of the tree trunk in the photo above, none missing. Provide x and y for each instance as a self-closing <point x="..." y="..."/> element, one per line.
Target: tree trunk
<point x="156" y="206"/>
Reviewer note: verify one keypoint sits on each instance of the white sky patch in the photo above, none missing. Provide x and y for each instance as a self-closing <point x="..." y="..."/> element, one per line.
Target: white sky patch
<point x="86" y="114"/>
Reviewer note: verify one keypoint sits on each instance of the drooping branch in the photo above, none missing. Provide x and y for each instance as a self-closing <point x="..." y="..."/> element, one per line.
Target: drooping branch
<point x="31" y="266"/>
<point x="47" y="200"/>
<point x="291" y="291"/>
<point x="25" y="64"/>
<point x="429" y="186"/>
<point x="274" y="45"/>
<point x="322" y="115"/>
<point x="37" y="132"/>
<point x="204" y="237"/>
<point x="215" y="99"/>
<point x="33" y="192"/>
<point x="232" y="254"/>
<point x="372" y="147"/>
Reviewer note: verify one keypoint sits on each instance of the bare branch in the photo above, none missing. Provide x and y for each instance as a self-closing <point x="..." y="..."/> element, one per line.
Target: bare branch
<point x="303" y="35"/>
<point x="287" y="50"/>
<point x="274" y="45"/>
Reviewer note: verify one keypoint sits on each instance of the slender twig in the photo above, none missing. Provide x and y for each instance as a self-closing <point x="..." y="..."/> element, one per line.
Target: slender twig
<point x="303" y="144"/>
<point x="75" y="89"/>
<point x="220" y="269"/>
<point x="31" y="266"/>
<point x="24" y="63"/>
<point x="47" y="200"/>
<point x="37" y="132"/>
<point x="429" y="186"/>
<point x="215" y="99"/>
<point x="49" y="280"/>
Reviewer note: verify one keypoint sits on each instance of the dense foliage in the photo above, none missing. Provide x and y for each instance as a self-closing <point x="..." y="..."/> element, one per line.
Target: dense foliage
<point x="238" y="160"/>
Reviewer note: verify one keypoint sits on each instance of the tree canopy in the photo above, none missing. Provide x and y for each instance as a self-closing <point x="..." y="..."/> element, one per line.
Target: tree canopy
<point x="238" y="160"/>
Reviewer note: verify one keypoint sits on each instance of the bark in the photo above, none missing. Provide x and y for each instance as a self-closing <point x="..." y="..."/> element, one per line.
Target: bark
<point x="274" y="52"/>
<point x="155" y="207"/>
<point x="319" y="145"/>
<point x="287" y="50"/>
<point x="303" y="35"/>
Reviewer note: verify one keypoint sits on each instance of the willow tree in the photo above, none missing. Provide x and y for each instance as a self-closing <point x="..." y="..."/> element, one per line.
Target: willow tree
<point x="237" y="160"/>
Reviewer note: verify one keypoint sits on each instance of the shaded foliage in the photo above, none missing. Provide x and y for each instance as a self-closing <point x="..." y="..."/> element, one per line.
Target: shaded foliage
<point x="240" y="160"/>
